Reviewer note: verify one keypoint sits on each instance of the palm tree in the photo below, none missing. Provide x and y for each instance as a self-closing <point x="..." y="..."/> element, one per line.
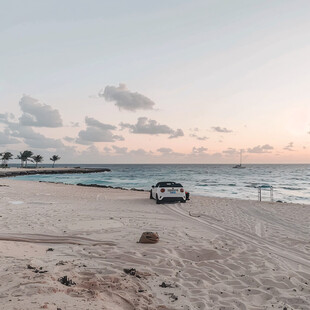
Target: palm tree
<point x="24" y="157"/>
<point x="5" y="157"/>
<point x="54" y="158"/>
<point x="37" y="159"/>
<point x="21" y="158"/>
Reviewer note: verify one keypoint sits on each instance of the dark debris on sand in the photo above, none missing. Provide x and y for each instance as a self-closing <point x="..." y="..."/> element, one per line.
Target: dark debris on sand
<point x="172" y="296"/>
<point x="61" y="263"/>
<point x="165" y="285"/>
<point x="36" y="270"/>
<point x="132" y="272"/>
<point x="66" y="281"/>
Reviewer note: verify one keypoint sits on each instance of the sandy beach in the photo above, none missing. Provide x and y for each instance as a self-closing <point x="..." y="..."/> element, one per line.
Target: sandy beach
<point x="213" y="253"/>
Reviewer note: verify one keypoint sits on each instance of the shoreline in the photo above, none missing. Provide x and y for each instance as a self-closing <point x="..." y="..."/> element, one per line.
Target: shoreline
<point x="220" y="182"/>
<point x="92" y="185"/>
<point x="147" y="191"/>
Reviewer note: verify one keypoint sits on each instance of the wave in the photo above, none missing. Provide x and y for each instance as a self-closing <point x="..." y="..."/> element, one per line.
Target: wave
<point x="256" y="185"/>
<point x="293" y="188"/>
<point x="215" y="184"/>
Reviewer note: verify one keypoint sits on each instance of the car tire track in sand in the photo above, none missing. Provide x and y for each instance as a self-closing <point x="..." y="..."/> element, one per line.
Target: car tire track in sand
<point x="259" y="229"/>
<point x="296" y="256"/>
<point x="39" y="238"/>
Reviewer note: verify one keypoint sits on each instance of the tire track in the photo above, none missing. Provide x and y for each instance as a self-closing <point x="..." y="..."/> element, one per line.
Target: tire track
<point x="40" y="238"/>
<point x="294" y="256"/>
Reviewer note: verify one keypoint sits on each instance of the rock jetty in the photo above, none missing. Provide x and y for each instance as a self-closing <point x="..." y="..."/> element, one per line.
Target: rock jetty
<point x="13" y="172"/>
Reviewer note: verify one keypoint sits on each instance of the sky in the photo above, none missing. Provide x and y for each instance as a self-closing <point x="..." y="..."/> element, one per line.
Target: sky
<point x="167" y="81"/>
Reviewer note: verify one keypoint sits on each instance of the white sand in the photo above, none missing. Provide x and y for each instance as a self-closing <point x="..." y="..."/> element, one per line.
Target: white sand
<point x="215" y="253"/>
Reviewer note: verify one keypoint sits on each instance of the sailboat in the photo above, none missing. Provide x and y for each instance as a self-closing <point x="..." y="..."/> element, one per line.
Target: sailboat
<point x="239" y="166"/>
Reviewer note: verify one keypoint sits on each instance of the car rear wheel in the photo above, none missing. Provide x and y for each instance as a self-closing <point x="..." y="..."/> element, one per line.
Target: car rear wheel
<point x="151" y="196"/>
<point x="183" y="200"/>
<point x="157" y="200"/>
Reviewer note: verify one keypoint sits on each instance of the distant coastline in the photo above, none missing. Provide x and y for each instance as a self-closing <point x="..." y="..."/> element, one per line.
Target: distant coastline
<point x="13" y="172"/>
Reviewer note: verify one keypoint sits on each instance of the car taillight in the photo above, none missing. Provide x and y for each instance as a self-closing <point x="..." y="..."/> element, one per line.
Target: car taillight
<point x="182" y="190"/>
<point x="162" y="190"/>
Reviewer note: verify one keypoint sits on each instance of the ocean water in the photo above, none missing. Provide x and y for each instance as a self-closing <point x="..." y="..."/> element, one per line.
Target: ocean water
<point x="290" y="182"/>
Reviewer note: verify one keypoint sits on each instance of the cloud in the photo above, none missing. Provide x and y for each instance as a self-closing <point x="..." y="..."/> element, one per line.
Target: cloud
<point x="200" y="155"/>
<point x="5" y="117"/>
<point x="165" y="150"/>
<point x="37" y="114"/>
<point x="125" y="99"/>
<point x="17" y="132"/>
<point x="69" y="139"/>
<point x="289" y="147"/>
<point x="151" y="127"/>
<point x="199" y="138"/>
<point x="221" y="129"/>
<point x="139" y="152"/>
<point x="231" y="151"/>
<point x="199" y="150"/>
<point x="107" y="149"/>
<point x="34" y="139"/>
<point x="5" y="138"/>
<point x="97" y="132"/>
<point x="194" y="129"/>
<point x="168" y="152"/>
<point x="125" y="153"/>
<point x="260" y="149"/>
<point x="89" y="121"/>
<point x="177" y="133"/>
<point x="120" y="150"/>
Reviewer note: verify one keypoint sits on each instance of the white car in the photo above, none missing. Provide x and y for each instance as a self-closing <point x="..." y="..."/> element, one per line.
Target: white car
<point x="168" y="191"/>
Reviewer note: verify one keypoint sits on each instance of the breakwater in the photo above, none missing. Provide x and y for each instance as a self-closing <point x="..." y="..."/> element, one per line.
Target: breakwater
<point x="13" y="172"/>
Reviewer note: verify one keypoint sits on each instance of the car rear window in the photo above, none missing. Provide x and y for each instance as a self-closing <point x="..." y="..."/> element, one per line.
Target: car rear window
<point x="168" y="184"/>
